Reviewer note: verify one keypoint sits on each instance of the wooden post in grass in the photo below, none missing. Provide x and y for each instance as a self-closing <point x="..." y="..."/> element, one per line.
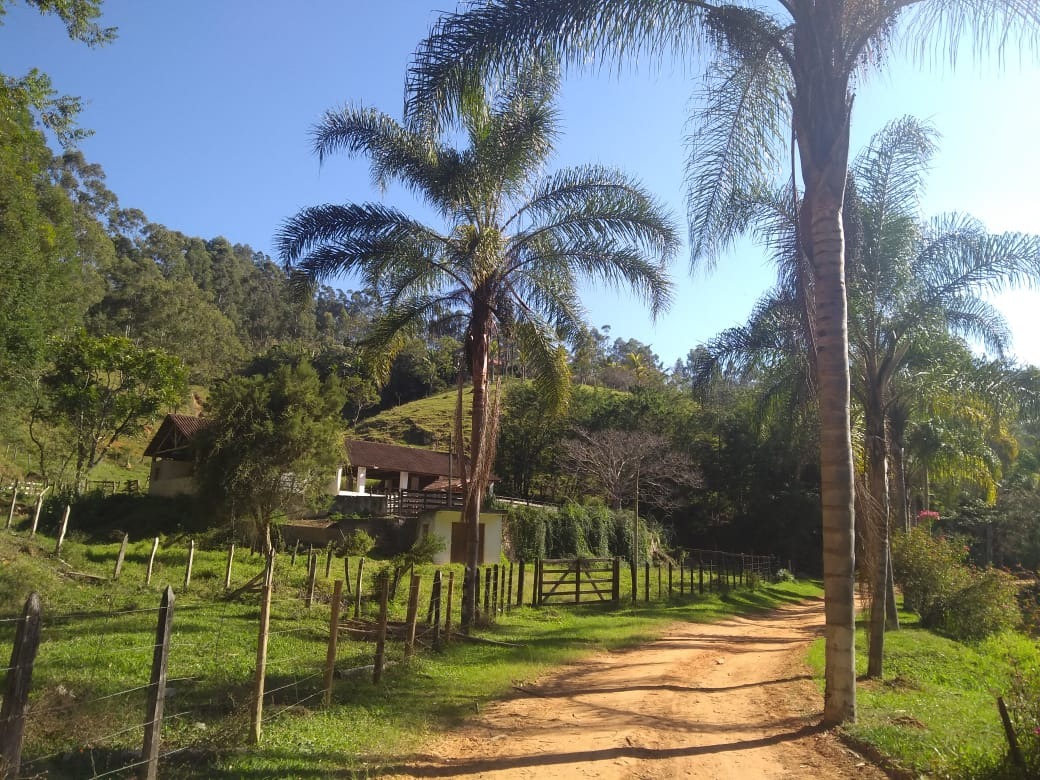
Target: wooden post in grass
<point x="328" y="561"/>
<point x="700" y="573"/>
<point x="357" y="590"/>
<point x="634" y="572"/>
<point x="312" y="575"/>
<point x="230" y="560"/>
<point x="346" y="574"/>
<point x="14" y="501"/>
<point x="62" y="529"/>
<point x="437" y="608"/>
<point x="157" y="689"/>
<point x="682" y="575"/>
<point x="330" y="654"/>
<point x="380" y="659"/>
<point x="16" y="689"/>
<point x="494" y="593"/>
<point x="659" y="581"/>
<point x="1012" y="739"/>
<point x="487" y="593"/>
<point x="669" y="579"/>
<point x="261" y="651"/>
<point x="508" y="591"/>
<point x="646" y="582"/>
<point x="447" y="606"/>
<point x="615" y="581"/>
<point x="536" y="596"/>
<point x="151" y="562"/>
<point x="413" y="613"/>
<point x="577" y="580"/>
<point x="295" y="550"/>
<point x="520" y="584"/>
<point x="119" y="558"/>
<point x="36" y="513"/>
<point x="191" y="562"/>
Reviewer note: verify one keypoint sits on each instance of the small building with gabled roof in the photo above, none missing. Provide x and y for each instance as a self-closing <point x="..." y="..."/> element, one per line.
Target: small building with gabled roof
<point x="173" y="461"/>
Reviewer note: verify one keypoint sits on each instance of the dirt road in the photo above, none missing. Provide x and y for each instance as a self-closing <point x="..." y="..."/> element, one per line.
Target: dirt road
<point x="728" y="700"/>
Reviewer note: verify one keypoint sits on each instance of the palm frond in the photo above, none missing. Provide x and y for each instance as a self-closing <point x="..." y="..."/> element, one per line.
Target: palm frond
<point x="548" y="359"/>
<point x="738" y="147"/>
<point x="938" y="28"/>
<point x="491" y="38"/>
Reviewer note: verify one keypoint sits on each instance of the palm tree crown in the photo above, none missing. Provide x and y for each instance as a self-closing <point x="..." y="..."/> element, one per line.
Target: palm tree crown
<point x="516" y="243"/>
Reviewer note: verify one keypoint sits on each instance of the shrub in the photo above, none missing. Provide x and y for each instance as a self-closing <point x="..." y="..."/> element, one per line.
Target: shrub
<point x="356" y="542"/>
<point x="967" y="604"/>
<point x="930" y="570"/>
<point x="987" y="605"/>
<point x="1023" y="703"/>
<point x="783" y="575"/>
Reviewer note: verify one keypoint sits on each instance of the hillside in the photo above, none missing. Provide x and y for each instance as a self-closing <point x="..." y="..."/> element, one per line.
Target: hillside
<point x="425" y="423"/>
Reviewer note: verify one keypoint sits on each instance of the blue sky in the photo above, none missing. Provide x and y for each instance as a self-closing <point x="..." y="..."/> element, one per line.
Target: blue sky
<point x="201" y="112"/>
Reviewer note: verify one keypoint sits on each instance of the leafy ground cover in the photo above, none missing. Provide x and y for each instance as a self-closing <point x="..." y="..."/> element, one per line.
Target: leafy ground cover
<point x="88" y="688"/>
<point x="935" y="711"/>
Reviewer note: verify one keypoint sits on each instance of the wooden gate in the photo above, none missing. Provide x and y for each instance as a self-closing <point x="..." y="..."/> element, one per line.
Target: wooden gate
<point x="567" y="580"/>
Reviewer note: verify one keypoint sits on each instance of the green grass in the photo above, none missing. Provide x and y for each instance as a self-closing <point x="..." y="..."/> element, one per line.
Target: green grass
<point x="424" y="423"/>
<point x="88" y="653"/>
<point x="935" y="711"/>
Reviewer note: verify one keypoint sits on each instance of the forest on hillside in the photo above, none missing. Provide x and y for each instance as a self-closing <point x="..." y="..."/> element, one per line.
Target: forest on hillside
<point x="108" y="320"/>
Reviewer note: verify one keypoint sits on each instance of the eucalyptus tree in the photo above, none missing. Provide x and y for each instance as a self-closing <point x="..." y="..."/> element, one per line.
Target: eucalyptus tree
<point x="780" y="78"/>
<point x="513" y="250"/>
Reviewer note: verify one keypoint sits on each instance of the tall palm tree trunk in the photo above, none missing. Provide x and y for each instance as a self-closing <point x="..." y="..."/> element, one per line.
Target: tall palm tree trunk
<point x="477" y="348"/>
<point x="878" y="520"/>
<point x="821" y="110"/>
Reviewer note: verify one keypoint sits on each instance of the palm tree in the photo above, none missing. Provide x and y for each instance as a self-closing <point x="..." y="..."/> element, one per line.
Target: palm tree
<point x="778" y="80"/>
<point x="911" y="285"/>
<point x="514" y="249"/>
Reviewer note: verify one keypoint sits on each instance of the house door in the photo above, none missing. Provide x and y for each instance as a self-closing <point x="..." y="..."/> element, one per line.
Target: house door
<point x="458" y="543"/>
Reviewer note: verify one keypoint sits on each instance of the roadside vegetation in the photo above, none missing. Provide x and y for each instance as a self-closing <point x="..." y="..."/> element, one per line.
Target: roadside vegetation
<point x="98" y="635"/>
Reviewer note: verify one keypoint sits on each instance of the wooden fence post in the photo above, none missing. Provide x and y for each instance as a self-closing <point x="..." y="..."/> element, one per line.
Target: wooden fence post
<point x="312" y="574"/>
<point x="261" y="651"/>
<point x="330" y="654"/>
<point x="1009" y="731"/>
<point x="494" y="593"/>
<point x="346" y="574"/>
<point x="157" y="688"/>
<point x="191" y="562"/>
<point x="357" y="590"/>
<point x="119" y="558"/>
<point x="700" y="574"/>
<point x="413" y="613"/>
<point x="682" y="574"/>
<point x="36" y="513"/>
<point x="634" y="571"/>
<point x="615" y="581"/>
<point x="487" y="593"/>
<point x="669" y="579"/>
<point x="14" y="502"/>
<point x="295" y="550"/>
<point x="520" y="584"/>
<point x="646" y="582"/>
<point x="437" y="608"/>
<point x="447" y="606"/>
<point x="62" y="529"/>
<point x="151" y="562"/>
<point x="328" y="561"/>
<point x="380" y="659"/>
<point x="508" y="591"/>
<point x="658" y="580"/>
<point x="230" y="560"/>
<point x="577" y="580"/>
<point x="16" y="689"/>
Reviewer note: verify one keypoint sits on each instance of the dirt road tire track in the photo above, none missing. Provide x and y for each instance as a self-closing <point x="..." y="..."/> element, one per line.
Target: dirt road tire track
<point x="725" y="700"/>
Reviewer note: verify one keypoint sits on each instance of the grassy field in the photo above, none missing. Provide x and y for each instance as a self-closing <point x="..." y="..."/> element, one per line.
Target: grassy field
<point x="935" y="711"/>
<point x="88" y="688"/>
